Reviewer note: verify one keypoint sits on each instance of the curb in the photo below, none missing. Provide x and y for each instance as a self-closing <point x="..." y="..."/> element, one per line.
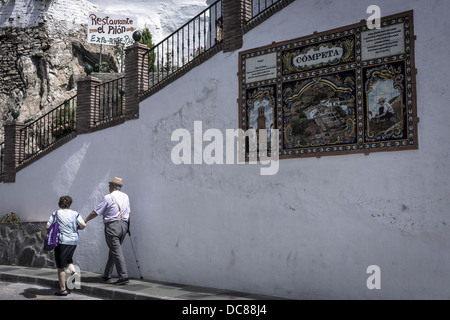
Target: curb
<point x="109" y="291"/>
<point x="92" y="285"/>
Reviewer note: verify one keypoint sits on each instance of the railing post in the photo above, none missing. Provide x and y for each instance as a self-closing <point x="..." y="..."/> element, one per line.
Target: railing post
<point x="13" y="150"/>
<point x="87" y="104"/>
<point x="136" y="78"/>
<point x="235" y="14"/>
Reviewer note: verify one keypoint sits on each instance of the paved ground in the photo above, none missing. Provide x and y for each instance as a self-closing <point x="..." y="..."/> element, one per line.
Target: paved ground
<point x="90" y="284"/>
<point x="26" y="291"/>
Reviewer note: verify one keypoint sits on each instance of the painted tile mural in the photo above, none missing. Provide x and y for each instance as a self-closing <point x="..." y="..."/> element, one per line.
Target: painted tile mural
<point x="341" y="91"/>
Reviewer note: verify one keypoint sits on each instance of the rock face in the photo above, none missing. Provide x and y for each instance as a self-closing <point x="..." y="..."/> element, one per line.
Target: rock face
<point x="43" y="46"/>
<point x="39" y="64"/>
<point x="21" y="244"/>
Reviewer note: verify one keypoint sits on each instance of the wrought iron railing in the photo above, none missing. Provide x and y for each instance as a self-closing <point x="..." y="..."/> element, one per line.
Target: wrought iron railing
<point x="190" y="41"/>
<point x="260" y="6"/>
<point x="49" y="128"/>
<point x="1" y="157"/>
<point x="110" y="101"/>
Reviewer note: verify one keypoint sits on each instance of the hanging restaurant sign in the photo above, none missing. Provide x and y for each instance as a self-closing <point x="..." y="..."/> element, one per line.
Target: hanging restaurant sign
<point x="108" y="29"/>
<point x="346" y="90"/>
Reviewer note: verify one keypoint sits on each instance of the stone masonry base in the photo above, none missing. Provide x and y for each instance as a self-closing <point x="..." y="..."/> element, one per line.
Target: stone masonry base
<point x="21" y="245"/>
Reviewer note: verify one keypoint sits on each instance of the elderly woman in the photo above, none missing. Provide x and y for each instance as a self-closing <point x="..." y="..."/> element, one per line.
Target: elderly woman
<point x="69" y="222"/>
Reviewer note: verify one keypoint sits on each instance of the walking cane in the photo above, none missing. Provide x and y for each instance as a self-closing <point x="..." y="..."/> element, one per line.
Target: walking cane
<point x="132" y="247"/>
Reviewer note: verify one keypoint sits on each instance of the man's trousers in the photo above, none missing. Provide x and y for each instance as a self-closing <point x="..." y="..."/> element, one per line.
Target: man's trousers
<point x="115" y="233"/>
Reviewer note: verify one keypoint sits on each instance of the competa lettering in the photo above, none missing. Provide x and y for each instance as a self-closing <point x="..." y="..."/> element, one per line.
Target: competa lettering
<point x="321" y="55"/>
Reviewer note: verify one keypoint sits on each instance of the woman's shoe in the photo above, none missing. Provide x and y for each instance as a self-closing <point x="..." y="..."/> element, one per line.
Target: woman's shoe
<point x="61" y="293"/>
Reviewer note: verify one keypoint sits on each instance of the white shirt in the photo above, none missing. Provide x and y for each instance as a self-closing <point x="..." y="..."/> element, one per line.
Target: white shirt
<point x="109" y="210"/>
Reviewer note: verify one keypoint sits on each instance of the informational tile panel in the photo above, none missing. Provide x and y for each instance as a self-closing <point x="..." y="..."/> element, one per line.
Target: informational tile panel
<point x="346" y="90"/>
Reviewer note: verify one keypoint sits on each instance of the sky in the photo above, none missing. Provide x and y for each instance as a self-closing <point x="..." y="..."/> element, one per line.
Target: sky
<point x="162" y="17"/>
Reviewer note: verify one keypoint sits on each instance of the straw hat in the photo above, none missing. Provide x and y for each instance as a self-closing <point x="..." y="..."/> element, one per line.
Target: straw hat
<point x="116" y="181"/>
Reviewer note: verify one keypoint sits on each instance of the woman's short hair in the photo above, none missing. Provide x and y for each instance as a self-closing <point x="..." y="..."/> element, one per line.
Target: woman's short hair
<point x="65" y="202"/>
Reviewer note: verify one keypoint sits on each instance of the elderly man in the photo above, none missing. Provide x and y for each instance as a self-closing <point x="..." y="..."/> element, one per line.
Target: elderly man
<point x="115" y="210"/>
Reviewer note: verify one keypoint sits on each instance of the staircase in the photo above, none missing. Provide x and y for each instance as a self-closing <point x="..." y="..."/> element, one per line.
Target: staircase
<point x="102" y="104"/>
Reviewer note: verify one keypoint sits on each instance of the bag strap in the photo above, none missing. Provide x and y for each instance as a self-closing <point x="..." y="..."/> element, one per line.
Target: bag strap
<point x="120" y="209"/>
<point x="55" y="222"/>
<point x="75" y="223"/>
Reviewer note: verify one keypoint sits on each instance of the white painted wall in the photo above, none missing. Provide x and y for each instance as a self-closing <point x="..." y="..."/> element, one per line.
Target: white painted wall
<point x="311" y="230"/>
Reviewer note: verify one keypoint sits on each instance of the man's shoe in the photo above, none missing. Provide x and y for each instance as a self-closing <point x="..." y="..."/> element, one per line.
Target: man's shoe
<point x="122" y="281"/>
<point x="106" y="279"/>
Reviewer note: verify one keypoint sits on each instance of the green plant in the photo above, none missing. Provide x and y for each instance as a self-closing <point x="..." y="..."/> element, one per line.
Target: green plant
<point x="106" y="67"/>
<point x="197" y="52"/>
<point x="168" y="65"/>
<point x="147" y="40"/>
<point x="10" y="218"/>
<point x="64" y="122"/>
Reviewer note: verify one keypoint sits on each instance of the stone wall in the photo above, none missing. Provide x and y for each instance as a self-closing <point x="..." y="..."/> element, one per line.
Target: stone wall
<point x="21" y="244"/>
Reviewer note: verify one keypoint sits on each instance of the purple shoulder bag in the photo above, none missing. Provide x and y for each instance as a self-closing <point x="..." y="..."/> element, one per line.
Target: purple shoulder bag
<point x="51" y="240"/>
